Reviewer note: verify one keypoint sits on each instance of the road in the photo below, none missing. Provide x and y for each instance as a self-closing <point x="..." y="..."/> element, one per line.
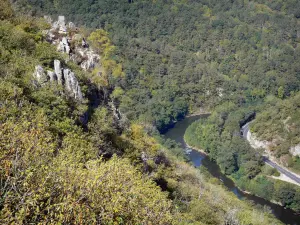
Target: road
<point x="244" y="132"/>
<point x="282" y="170"/>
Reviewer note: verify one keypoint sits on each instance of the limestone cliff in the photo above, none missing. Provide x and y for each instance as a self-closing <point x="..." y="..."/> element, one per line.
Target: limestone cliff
<point x="60" y="76"/>
<point x="69" y="40"/>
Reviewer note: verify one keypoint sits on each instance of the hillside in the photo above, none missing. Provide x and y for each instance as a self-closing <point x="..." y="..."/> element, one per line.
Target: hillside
<point x="278" y="125"/>
<point x="68" y="156"/>
<point x="237" y="159"/>
<point x="179" y="56"/>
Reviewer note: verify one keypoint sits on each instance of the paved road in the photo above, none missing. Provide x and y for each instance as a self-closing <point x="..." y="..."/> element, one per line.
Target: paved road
<point x="282" y="170"/>
<point x="244" y="132"/>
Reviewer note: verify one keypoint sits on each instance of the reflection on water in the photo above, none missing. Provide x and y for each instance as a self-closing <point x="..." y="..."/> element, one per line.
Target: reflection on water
<point x="287" y="216"/>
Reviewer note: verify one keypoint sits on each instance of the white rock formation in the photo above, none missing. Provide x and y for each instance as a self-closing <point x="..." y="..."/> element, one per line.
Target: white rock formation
<point x="71" y="25"/>
<point x="72" y="85"/>
<point x="64" y="46"/>
<point x="58" y="71"/>
<point x="81" y="54"/>
<point x="62" y="76"/>
<point x="91" y="59"/>
<point x="52" y="76"/>
<point x="295" y="151"/>
<point x="61" y="25"/>
<point x="256" y="143"/>
<point x="39" y="75"/>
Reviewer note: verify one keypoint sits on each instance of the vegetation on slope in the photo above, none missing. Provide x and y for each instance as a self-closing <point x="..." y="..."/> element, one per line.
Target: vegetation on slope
<point x="55" y="169"/>
<point x="182" y="55"/>
<point x="219" y="136"/>
<point x="279" y="124"/>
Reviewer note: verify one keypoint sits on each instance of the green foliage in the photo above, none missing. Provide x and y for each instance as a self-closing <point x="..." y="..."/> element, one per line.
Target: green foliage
<point x="50" y="167"/>
<point x="279" y="123"/>
<point x="219" y="136"/>
<point x="110" y="70"/>
<point x="56" y="170"/>
<point x="101" y="43"/>
<point x="183" y="55"/>
<point x="6" y="11"/>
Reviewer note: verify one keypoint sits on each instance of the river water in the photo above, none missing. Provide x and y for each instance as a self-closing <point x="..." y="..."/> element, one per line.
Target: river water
<point x="287" y="216"/>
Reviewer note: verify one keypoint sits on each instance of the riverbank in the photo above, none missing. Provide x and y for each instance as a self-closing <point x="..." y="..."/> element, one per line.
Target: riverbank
<point x="198" y="157"/>
<point x="285" y="174"/>
<point x="285" y="178"/>
<point x="195" y="148"/>
<point x="199" y="113"/>
<point x="232" y="179"/>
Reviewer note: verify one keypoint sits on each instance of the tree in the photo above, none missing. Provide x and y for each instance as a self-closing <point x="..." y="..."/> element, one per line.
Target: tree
<point x="280" y="92"/>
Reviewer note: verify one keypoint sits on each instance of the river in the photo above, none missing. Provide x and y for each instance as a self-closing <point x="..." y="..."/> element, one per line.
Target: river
<point x="287" y="216"/>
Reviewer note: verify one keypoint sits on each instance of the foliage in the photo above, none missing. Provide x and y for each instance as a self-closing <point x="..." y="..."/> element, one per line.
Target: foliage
<point x="179" y="56"/>
<point x="50" y="165"/>
<point x="219" y="136"/>
<point x="56" y="169"/>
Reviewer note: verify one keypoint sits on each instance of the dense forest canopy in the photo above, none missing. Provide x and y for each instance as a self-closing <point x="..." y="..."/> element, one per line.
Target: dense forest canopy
<point x="180" y="56"/>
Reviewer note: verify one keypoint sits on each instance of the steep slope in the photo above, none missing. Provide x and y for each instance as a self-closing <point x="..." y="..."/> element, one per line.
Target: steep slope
<point x="180" y="56"/>
<point x="278" y="126"/>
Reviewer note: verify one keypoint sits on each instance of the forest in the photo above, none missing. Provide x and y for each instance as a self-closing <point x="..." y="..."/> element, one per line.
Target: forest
<point x="219" y="136"/>
<point x="64" y="161"/>
<point x="182" y="55"/>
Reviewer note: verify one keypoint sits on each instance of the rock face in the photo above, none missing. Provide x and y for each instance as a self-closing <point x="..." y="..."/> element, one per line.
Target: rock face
<point x="59" y="76"/>
<point x="60" y="25"/>
<point x="64" y="46"/>
<point x="295" y="151"/>
<point x="255" y="143"/>
<point x="80" y="52"/>
<point x="91" y="59"/>
<point x="58" y="71"/>
<point x="71" y="84"/>
<point x="52" y="76"/>
<point x="39" y="75"/>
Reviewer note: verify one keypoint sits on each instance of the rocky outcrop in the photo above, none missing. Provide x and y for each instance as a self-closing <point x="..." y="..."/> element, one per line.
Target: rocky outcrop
<point x="256" y="143"/>
<point x="58" y="71"/>
<point x="71" y="84"/>
<point x="64" y="46"/>
<point x="91" y="58"/>
<point x="52" y="76"/>
<point x="60" y="24"/>
<point x="80" y="51"/>
<point x="59" y="76"/>
<point x="267" y="145"/>
<point x="295" y="151"/>
<point x="40" y="75"/>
